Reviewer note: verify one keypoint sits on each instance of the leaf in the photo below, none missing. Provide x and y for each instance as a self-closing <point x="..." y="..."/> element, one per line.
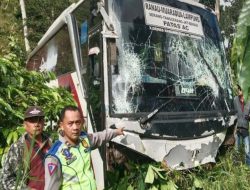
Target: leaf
<point x="3" y="158"/>
<point x="141" y="184"/>
<point x="24" y="104"/>
<point x="15" y="136"/>
<point x="150" y="175"/>
<point x="21" y="80"/>
<point x="35" y="99"/>
<point x="154" y="173"/>
<point x="158" y="170"/>
<point x="1" y="151"/>
<point x="20" y="93"/>
<point x="20" y="130"/>
<point x="240" y="56"/>
<point x="3" y="68"/>
<point x="153" y="188"/>
<point x="55" y="95"/>
<point x="130" y="187"/>
<point x="9" y="138"/>
<point x="123" y="184"/>
<point x="5" y="104"/>
<point x="171" y="185"/>
<point x="244" y="74"/>
<point x="198" y="183"/>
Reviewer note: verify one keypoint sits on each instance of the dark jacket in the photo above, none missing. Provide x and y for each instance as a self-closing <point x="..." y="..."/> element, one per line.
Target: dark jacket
<point x="242" y="115"/>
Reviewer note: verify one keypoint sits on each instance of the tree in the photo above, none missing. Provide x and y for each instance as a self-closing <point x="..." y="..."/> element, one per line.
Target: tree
<point x="229" y="18"/>
<point x="21" y="88"/>
<point x="208" y="3"/>
<point x="240" y="57"/>
<point x="25" y="30"/>
<point x="10" y="25"/>
<point x="40" y="15"/>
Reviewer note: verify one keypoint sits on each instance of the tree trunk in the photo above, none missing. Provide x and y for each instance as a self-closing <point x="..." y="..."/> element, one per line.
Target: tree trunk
<point x="25" y="29"/>
<point x="217" y="9"/>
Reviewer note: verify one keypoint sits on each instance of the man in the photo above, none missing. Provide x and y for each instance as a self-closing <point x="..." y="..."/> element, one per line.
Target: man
<point x="68" y="163"/>
<point x="23" y="167"/>
<point x="242" y="132"/>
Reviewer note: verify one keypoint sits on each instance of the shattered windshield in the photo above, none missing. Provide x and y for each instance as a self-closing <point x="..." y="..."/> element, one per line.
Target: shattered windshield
<point x="162" y="61"/>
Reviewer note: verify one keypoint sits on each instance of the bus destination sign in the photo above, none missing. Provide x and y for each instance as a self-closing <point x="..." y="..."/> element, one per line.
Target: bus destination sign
<point x="165" y="18"/>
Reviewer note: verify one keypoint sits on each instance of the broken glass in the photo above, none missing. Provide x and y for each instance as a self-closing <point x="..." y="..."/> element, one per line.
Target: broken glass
<point x="155" y="65"/>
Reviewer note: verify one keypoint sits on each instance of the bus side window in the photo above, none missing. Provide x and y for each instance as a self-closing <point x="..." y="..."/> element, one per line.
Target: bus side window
<point x="94" y="75"/>
<point x="94" y="63"/>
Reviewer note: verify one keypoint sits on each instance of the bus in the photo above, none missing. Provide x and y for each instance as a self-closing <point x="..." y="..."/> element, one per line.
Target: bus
<point x="155" y="67"/>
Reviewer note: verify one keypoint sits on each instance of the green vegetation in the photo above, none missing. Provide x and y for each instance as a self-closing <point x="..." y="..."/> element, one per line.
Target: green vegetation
<point x="240" y="57"/>
<point x="46" y="12"/>
<point x="21" y="88"/>
<point x="10" y="25"/>
<point x="228" y="20"/>
<point x="228" y="173"/>
<point x="40" y="15"/>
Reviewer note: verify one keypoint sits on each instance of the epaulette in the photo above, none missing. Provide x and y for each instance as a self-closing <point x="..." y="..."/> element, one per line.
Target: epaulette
<point x="86" y="145"/>
<point x="84" y="134"/>
<point x="54" y="148"/>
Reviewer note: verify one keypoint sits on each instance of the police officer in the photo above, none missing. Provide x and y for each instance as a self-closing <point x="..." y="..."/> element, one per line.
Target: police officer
<point x="68" y="163"/>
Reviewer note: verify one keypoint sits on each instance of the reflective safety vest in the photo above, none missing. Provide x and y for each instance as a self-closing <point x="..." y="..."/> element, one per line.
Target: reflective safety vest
<point x="76" y="166"/>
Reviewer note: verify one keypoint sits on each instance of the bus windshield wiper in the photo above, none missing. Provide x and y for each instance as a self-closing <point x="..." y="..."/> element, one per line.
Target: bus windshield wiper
<point x="144" y="120"/>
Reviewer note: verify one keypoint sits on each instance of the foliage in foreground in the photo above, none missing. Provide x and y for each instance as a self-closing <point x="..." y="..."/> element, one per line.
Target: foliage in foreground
<point x="21" y="88"/>
<point x="229" y="173"/>
<point x="240" y="57"/>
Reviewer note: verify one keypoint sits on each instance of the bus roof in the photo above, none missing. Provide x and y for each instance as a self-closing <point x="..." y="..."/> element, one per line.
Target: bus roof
<point x="60" y="21"/>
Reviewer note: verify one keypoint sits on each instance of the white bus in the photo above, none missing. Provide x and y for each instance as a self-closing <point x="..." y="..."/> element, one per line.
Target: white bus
<point x="156" y="67"/>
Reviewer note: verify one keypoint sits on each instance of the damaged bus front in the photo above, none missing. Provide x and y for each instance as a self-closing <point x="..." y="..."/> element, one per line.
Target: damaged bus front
<point x="169" y="84"/>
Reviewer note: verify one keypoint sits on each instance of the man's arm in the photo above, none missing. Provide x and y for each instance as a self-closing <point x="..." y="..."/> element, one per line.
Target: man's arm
<point x="8" y="174"/>
<point x="235" y="103"/>
<point x="12" y="169"/>
<point x="98" y="138"/>
<point x="53" y="174"/>
<point x="247" y="111"/>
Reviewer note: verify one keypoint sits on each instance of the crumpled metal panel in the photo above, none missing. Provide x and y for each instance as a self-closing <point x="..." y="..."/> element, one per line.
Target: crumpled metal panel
<point x="181" y="154"/>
